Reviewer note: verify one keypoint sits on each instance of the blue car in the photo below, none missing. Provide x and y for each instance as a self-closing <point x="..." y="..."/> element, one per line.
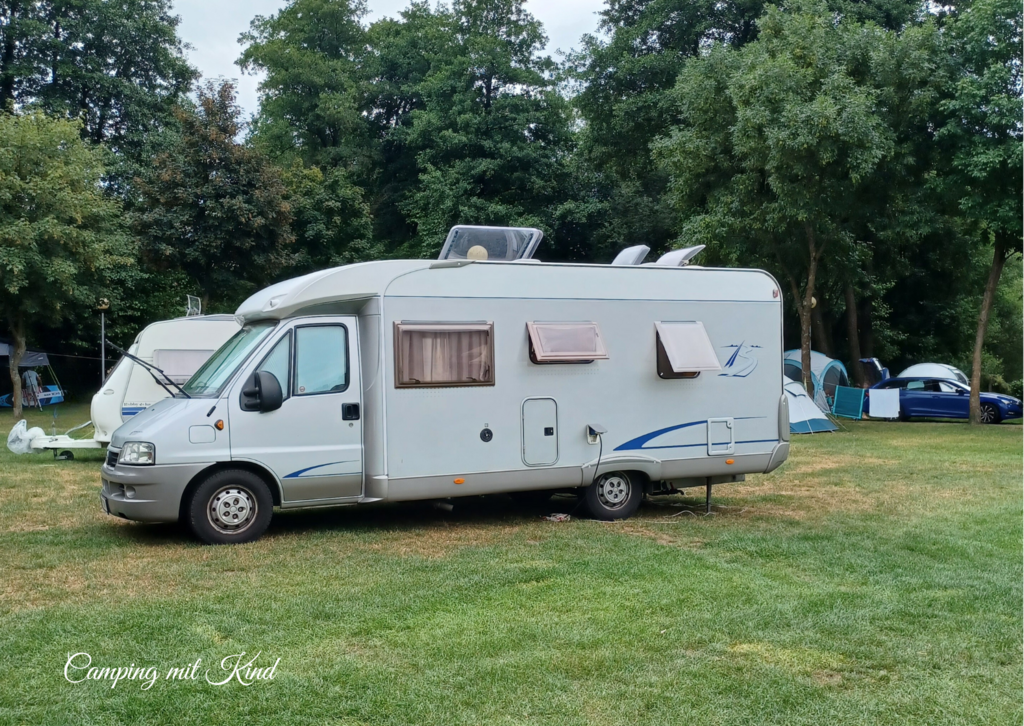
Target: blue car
<point x="940" y="398"/>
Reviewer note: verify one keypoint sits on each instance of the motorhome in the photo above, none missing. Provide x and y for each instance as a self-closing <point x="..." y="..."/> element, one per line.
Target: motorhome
<point x="482" y="372"/>
<point x="163" y="355"/>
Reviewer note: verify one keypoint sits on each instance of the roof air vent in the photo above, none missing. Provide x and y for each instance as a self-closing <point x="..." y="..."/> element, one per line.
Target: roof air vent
<point x="631" y="255"/>
<point x="679" y="258"/>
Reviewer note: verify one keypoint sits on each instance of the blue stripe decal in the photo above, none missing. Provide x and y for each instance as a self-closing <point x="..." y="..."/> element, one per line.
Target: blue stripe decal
<point x="300" y="472"/>
<point x="638" y="443"/>
<point x="131" y="411"/>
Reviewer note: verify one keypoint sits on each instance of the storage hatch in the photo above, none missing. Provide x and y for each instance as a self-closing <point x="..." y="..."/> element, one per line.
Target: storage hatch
<point x="540" y="432"/>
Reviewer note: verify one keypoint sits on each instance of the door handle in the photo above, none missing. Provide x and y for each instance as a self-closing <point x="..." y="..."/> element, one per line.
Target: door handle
<point x="350" y="412"/>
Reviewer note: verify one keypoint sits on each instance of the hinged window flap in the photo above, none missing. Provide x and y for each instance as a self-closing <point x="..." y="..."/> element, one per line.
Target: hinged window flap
<point x="566" y="342"/>
<point x="688" y="347"/>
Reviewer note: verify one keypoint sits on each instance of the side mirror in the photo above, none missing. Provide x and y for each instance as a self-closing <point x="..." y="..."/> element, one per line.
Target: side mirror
<point x="261" y="392"/>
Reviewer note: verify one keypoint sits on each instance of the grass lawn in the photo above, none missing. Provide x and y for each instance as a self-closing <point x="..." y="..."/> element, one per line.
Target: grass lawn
<point x="873" y="579"/>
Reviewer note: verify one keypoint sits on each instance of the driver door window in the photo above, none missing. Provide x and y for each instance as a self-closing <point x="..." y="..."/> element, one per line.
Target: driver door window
<point x="278" y="362"/>
<point x="321" y="359"/>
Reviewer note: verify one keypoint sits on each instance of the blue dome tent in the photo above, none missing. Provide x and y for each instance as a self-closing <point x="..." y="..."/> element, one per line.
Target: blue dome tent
<point x="826" y="374"/>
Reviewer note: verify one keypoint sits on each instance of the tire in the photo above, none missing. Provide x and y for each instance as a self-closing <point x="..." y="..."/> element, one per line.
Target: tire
<point x="989" y="414"/>
<point x="66" y="455"/>
<point x="227" y="496"/>
<point x="615" y="495"/>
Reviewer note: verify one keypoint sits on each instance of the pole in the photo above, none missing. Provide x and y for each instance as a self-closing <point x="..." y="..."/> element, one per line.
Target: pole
<point x="103" y="347"/>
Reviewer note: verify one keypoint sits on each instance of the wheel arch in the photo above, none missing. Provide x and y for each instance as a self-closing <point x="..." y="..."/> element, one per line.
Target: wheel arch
<point x="262" y="472"/>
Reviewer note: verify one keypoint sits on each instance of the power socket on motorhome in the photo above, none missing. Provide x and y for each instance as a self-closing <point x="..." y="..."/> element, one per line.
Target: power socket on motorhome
<point x="594" y="432"/>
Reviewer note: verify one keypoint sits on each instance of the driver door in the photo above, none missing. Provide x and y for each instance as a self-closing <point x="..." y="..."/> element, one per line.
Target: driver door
<point x="313" y="443"/>
<point x="950" y="401"/>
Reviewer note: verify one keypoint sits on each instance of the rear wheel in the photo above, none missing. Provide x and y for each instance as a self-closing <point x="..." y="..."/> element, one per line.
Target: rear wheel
<point x="989" y="414"/>
<point x="615" y="495"/>
<point x="231" y="507"/>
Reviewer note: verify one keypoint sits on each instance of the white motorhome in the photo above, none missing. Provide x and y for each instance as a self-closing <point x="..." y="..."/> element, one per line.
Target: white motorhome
<point x="176" y="348"/>
<point x="411" y="380"/>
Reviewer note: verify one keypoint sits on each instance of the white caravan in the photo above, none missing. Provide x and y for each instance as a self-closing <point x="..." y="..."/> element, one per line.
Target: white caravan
<point x="411" y="380"/>
<point x="175" y="348"/>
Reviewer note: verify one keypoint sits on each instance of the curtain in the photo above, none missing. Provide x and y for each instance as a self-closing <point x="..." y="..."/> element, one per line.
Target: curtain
<point x="449" y="356"/>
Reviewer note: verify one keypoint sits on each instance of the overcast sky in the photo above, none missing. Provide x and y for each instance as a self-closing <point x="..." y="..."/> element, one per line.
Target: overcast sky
<point x="212" y="29"/>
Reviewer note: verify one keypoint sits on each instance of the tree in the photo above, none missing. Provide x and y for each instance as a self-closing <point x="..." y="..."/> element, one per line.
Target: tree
<point x="213" y="208"/>
<point x="625" y="77"/>
<point x="773" y="140"/>
<point x="117" y="67"/>
<point x="330" y="220"/>
<point x="982" y="141"/>
<point x="492" y="133"/>
<point x="311" y="100"/>
<point x="60" y="234"/>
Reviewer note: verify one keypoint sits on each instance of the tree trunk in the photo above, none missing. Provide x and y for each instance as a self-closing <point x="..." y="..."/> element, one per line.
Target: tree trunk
<point x="998" y="259"/>
<point x="853" y="337"/>
<point x="867" y="331"/>
<point x="7" y="78"/>
<point x="18" y="334"/>
<point x="805" y="313"/>
<point x="820" y="331"/>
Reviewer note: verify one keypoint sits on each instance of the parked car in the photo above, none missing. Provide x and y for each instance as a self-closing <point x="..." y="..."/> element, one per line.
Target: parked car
<point x="940" y="398"/>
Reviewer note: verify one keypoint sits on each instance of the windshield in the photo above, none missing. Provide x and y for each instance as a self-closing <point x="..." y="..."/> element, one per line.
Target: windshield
<point x="210" y="379"/>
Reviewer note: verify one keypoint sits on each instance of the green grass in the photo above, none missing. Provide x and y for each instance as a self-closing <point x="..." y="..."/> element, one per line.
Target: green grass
<point x="873" y="579"/>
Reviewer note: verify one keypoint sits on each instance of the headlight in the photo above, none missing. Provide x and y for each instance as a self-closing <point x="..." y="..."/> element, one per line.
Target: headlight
<point x="137" y="453"/>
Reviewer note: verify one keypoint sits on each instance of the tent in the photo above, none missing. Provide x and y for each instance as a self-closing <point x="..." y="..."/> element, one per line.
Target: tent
<point x="804" y="416"/>
<point x="30" y="359"/>
<point x="49" y="394"/>
<point x="935" y="370"/>
<point x="826" y="374"/>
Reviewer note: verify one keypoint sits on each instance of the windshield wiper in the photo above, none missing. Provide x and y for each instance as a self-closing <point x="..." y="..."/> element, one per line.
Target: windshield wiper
<point x="149" y="369"/>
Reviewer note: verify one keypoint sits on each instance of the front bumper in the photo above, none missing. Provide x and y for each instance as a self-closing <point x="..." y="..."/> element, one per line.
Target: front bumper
<point x="146" y="493"/>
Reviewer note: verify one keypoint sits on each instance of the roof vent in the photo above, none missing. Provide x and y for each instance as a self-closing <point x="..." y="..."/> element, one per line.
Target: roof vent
<point x="679" y="258"/>
<point x="631" y="255"/>
<point x="497" y="244"/>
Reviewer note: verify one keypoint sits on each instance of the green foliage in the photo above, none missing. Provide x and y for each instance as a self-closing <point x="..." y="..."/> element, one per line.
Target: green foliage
<point x="981" y="137"/>
<point x="772" y="142"/>
<point x="330" y="220"/>
<point x="61" y="237"/>
<point x="117" y="67"/>
<point x="311" y="97"/>
<point x="213" y="208"/>
<point x="490" y="137"/>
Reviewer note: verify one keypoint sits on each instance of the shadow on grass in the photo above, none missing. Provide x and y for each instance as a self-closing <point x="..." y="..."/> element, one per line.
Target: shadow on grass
<point x="497" y="511"/>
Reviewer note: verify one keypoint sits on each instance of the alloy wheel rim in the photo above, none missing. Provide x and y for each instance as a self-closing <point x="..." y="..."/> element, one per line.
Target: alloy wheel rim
<point x="987" y="415"/>
<point x="613" y="491"/>
<point x="232" y="510"/>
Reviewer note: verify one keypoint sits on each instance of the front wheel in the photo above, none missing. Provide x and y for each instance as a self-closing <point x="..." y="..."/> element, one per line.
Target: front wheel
<point x="989" y="414"/>
<point x="231" y="507"/>
<point x="615" y="495"/>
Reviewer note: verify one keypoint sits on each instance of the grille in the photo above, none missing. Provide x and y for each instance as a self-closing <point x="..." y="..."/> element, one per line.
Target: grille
<point x="112" y="458"/>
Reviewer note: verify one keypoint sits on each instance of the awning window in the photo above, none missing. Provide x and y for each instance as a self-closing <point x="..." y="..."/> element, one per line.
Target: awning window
<point x="566" y="342"/>
<point x="684" y="350"/>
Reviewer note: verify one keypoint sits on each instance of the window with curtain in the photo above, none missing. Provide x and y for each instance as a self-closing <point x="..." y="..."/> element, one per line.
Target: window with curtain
<point x="565" y="342"/>
<point x="444" y="354"/>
